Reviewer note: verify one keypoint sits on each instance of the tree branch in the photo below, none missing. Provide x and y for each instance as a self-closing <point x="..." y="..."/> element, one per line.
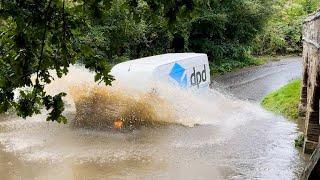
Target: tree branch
<point x="43" y="42"/>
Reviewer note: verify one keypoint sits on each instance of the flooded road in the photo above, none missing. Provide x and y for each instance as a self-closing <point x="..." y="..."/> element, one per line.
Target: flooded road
<point x="215" y="137"/>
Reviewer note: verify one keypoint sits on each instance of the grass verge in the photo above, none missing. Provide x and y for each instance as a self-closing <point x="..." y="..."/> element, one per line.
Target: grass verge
<point x="284" y="101"/>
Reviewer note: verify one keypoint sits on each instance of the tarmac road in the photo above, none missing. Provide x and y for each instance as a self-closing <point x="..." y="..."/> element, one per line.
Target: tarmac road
<point x="255" y="82"/>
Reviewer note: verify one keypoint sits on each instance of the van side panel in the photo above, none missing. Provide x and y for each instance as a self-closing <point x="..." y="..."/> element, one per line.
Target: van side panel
<point x="192" y="73"/>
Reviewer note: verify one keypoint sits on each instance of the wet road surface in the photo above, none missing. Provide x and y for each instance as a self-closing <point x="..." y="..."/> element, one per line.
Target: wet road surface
<point x="255" y="82"/>
<point x="231" y="139"/>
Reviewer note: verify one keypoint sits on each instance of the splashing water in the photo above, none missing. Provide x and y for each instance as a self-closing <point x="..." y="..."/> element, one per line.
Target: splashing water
<point x="108" y="108"/>
<point x="101" y="107"/>
<point x="175" y="134"/>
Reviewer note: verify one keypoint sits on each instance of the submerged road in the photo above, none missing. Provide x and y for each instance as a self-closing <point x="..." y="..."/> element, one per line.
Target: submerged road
<point x="234" y="138"/>
<point x="255" y="82"/>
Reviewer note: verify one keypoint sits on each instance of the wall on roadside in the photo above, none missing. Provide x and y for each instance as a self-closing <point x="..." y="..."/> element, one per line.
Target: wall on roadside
<point x="310" y="93"/>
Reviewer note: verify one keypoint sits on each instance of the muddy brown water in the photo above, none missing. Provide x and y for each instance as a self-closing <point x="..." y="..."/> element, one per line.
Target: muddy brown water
<point x="215" y="137"/>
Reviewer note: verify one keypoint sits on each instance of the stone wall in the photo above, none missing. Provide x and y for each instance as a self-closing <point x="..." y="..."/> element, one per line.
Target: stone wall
<point x="310" y="93"/>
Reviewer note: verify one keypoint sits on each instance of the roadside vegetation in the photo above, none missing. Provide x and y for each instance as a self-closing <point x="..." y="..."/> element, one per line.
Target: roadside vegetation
<point x="38" y="36"/>
<point x="284" y="101"/>
<point x="282" y="34"/>
<point x="298" y="142"/>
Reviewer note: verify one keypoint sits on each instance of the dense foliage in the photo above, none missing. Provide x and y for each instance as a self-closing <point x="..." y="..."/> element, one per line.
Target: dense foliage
<point x="283" y="32"/>
<point x="41" y="36"/>
<point x="222" y="29"/>
<point x="225" y="30"/>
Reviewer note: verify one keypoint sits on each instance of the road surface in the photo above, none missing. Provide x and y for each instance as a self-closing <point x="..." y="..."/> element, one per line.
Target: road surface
<point x="255" y="82"/>
<point x="232" y="138"/>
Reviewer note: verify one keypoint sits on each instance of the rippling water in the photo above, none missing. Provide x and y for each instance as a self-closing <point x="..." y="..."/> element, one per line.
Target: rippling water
<point x="213" y="137"/>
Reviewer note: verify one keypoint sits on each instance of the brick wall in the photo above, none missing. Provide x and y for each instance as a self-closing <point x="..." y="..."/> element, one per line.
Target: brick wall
<point x="310" y="93"/>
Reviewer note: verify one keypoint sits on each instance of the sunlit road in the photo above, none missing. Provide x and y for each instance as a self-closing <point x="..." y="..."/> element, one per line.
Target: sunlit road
<point x="231" y="139"/>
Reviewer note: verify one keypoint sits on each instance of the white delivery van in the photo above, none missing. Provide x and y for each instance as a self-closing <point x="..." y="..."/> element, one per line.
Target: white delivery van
<point x="184" y="70"/>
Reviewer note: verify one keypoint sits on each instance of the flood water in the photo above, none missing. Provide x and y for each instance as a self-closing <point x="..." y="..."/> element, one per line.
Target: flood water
<point x="214" y="136"/>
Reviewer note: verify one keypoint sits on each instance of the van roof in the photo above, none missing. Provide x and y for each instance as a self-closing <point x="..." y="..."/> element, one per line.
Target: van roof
<point x="149" y="64"/>
<point x="163" y="59"/>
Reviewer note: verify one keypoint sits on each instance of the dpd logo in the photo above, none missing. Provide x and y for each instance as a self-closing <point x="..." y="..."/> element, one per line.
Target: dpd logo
<point x="178" y="73"/>
<point x="197" y="77"/>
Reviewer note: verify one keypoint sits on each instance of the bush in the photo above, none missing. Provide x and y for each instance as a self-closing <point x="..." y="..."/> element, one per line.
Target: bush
<point x="298" y="142"/>
<point x="228" y="65"/>
<point x="225" y="29"/>
<point x="222" y="29"/>
<point x="283" y="32"/>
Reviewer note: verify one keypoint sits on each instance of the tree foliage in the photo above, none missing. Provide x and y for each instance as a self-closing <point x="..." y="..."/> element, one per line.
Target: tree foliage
<point x="222" y="29"/>
<point x="41" y="36"/>
<point x="225" y="30"/>
<point x="283" y="32"/>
